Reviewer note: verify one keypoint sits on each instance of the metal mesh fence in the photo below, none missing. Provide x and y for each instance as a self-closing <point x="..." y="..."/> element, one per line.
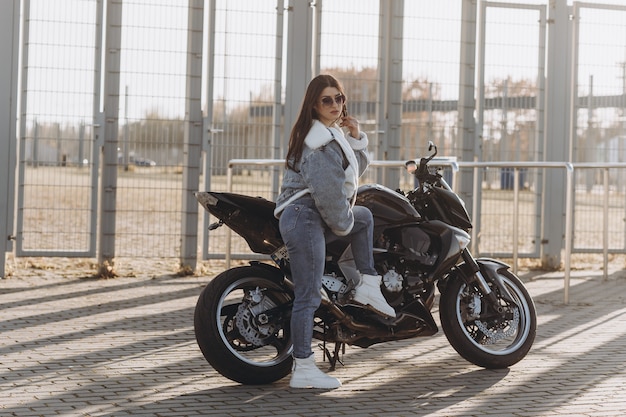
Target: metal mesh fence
<point x="244" y="100"/>
<point x="511" y="128"/>
<point x="430" y="78"/>
<point x="600" y="115"/>
<point x="599" y="132"/>
<point x="55" y="163"/>
<point x="59" y="171"/>
<point x="152" y="84"/>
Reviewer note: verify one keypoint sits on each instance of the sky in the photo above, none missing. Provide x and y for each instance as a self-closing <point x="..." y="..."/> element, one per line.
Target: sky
<point x="60" y="79"/>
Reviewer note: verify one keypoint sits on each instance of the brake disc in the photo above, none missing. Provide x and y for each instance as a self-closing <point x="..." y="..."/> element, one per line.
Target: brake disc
<point x="494" y="335"/>
<point x="251" y="320"/>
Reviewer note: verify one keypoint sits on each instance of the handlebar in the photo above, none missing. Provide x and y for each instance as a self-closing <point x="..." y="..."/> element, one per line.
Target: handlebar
<point x="422" y="170"/>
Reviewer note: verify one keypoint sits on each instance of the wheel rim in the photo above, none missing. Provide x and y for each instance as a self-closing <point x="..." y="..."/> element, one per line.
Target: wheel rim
<point x="257" y="344"/>
<point x="496" y="337"/>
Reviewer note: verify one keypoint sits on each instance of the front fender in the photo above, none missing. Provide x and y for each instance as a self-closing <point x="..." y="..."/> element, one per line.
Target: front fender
<point x="490" y="268"/>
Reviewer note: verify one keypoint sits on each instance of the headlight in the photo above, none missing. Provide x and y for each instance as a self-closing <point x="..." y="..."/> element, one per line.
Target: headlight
<point x="463" y="241"/>
<point x="462" y="237"/>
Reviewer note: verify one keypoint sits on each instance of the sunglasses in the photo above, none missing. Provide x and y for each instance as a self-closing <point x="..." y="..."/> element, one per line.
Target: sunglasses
<point x="329" y="101"/>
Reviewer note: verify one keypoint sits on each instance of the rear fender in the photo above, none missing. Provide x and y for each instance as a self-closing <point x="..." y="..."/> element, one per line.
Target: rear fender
<point x="250" y="217"/>
<point x="270" y="268"/>
<point x="286" y="282"/>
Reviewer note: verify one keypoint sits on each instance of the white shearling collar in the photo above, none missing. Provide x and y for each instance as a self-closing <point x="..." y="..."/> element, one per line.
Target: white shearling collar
<point x="319" y="135"/>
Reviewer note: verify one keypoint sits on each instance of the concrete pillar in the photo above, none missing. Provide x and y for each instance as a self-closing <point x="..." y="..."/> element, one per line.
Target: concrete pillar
<point x="389" y="109"/>
<point x="300" y="58"/>
<point x="108" y="192"/>
<point x="193" y="136"/>
<point x="470" y="142"/>
<point x="558" y="125"/>
<point x="9" y="46"/>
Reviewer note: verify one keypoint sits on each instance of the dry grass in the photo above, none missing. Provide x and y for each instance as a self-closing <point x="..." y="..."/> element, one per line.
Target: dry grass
<point x="56" y="216"/>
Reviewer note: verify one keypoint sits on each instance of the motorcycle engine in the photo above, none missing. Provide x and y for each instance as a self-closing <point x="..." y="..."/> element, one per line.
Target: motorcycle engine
<point x="401" y="279"/>
<point x="392" y="281"/>
<point x="410" y="243"/>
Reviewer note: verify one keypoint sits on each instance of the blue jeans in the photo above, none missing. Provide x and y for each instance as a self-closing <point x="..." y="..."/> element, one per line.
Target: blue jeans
<point x="305" y="234"/>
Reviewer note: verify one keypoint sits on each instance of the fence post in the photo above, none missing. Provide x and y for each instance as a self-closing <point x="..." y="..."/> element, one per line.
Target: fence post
<point x="193" y="136"/>
<point x="469" y="136"/>
<point x="557" y="127"/>
<point x="605" y="224"/>
<point x="515" y="218"/>
<point x="9" y="24"/>
<point x="108" y="192"/>
<point x="569" y="227"/>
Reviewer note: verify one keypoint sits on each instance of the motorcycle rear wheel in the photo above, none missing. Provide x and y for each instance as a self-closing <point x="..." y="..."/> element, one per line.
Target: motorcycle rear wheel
<point x="247" y="342"/>
<point x="490" y="343"/>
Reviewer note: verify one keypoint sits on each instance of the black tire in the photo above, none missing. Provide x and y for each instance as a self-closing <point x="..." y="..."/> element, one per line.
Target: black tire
<point x="249" y="346"/>
<point x="490" y="343"/>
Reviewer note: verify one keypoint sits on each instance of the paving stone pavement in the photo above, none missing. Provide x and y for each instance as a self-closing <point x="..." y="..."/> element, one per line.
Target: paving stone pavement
<point x="125" y="346"/>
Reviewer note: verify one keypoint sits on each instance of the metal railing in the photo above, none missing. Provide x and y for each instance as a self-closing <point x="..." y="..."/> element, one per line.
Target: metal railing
<point x="568" y="167"/>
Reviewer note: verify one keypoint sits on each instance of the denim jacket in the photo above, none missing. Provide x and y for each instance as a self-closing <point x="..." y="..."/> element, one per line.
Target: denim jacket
<point x="320" y="174"/>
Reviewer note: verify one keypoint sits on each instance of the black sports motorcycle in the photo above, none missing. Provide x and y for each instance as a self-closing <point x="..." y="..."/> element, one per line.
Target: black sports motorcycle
<point x="420" y="246"/>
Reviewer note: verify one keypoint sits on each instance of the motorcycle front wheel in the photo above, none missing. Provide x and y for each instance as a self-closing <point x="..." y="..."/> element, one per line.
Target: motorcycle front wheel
<point x="241" y="323"/>
<point x="488" y="340"/>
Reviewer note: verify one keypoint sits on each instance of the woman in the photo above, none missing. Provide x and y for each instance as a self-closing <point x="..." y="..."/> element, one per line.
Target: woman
<point x="316" y="205"/>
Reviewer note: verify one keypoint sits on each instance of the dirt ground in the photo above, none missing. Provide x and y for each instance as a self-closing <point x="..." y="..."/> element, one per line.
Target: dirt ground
<point x="73" y="268"/>
<point x="124" y="267"/>
<point x="56" y="218"/>
<point x="148" y="226"/>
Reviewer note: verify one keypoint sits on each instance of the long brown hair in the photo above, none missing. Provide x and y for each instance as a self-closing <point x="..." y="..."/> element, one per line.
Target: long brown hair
<point x="307" y="115"/>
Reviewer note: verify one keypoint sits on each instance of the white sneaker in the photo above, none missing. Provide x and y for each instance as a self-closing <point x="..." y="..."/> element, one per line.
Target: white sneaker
<point x="368" y="294"/>
<point x="307" y="375"/>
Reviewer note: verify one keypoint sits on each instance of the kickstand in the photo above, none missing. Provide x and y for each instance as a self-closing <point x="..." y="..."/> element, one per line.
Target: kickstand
<point x="334" y="357"/>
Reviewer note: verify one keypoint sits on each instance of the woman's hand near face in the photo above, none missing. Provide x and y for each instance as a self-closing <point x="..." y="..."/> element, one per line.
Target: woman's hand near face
<point x="352" y="124"/>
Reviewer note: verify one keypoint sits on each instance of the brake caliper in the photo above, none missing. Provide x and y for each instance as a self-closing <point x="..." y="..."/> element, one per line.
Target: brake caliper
<point x="499" y="333"/>
<point x="252" y="322"/>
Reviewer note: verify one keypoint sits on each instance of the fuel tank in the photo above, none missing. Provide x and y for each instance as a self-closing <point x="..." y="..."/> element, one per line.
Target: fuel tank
<point x="387" y="206"/>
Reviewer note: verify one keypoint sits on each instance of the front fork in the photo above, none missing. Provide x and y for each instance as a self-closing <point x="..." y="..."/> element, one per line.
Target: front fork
<point x="472" y="270"/>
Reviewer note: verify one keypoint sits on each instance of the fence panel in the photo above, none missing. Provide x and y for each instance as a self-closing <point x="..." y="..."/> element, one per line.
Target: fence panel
<point x="59" y="153"/>
<point x="57" y="169"/>
<point x="152" y="104"/>
<point x="600" y="210"/>
<point x="431" y="67"/>
<point x="599" y="113"/>
<point x="244" y="100"/>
